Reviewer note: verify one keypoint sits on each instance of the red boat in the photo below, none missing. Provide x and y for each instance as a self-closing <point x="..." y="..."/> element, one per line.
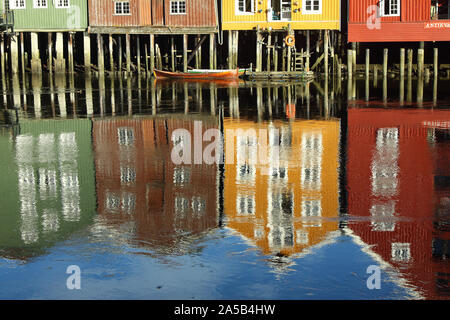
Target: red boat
<point x="206" y="74"/>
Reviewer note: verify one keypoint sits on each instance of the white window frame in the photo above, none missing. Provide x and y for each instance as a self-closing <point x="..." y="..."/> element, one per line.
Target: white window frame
<point x="122" y="3"/>
<point x="178" y="7"/>
<point x="384" y="14"/>
<point x="15" y="4"/>
<point x="304" y="11"/>
<point x="59" y="4"/>
<point x="244" y="13"/>
<point x="37" y="6"/>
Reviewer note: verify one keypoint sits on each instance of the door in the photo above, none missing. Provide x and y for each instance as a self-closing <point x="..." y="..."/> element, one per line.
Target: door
<point x="279" y="10"/>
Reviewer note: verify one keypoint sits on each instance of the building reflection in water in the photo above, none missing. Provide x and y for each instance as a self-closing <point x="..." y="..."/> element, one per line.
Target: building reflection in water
<point x="284" y="207"/>
<point x="138" y="182"/>
<point x="398" y="175"/>
<point x="48" y="184"/>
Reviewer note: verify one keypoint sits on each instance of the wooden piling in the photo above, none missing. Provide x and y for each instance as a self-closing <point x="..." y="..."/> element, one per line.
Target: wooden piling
<point x="353" y="57"/>
<point x="60" y="63"/>
<point x="100" y="54"/>
<point x="87" y="52"/>
<point x="14" y="47"/>
<point x="258" y="50"/>
<point x="420" y="59"/>
<point x="70" y="53"/>
<point x="138" y="54"/>
<point x="385" y="62"/>
<point x="50" y="53"/>
<point x="128" y="52"/>
<point x="212" y="43"/>
<point x="2" y="55"/>
<point x="367" y="63"/>
<point x="325" y="52"/>
<point x="235" y="48"/>
<point x="269" y="43"/>
<point x="185" y="49"/>
<point x="172" y="53"/>
<point x="410" y="62"/>
<point x="308" y="49"/>
<point x="275" y="53"/>
<point x="198" y="53"/>
<point x="111" y="54"/>
<point x="436" y="63"/>
<point x="120" y="54"/>
<point x="402" y="62"/>
<point x="36" y="66"/>
<point x="152" y="53"/>
<point x="22" y="56"/>
<point x="230" y="49"/>
<point x="349" y="63"/>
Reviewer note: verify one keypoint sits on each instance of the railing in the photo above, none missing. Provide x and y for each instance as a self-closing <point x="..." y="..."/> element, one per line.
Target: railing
<point x="7" y="20"/>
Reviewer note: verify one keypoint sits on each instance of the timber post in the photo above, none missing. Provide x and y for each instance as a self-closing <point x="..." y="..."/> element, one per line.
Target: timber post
<point x="60" y="63"/>
<point x="87" y="52"/>
<point x="402" y="62"/>
<point x="152" y="53"/>
<point x="185" y="49"/>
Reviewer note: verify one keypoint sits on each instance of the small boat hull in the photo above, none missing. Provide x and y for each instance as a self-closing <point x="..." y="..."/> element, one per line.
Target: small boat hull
<point x="215" y="74"/>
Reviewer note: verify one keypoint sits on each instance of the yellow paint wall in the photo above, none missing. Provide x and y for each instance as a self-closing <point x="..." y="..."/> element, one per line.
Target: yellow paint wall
<point x="315" y="230"/>
<point x="328" y="19"/>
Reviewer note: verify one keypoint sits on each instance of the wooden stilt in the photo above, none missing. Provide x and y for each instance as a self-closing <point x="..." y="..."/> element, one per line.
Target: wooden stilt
<point x="152" y="53"/>
<point x="172" y="52"/>
<point x="235" y="48"/>
<point x="87" y="52"/>
<point x="111" y="53"/>
<point x="385" y="62"/>
<point x="353" y="57"/>
<point x="185" y="49"/>
<point x="198" y="53"/>
<point x="275" y="53"/>
<point x="436" y="63"/>
<point x="349" y="63"/>
<point x="402" y="62"/>
<point x="128" y="52"/>
<point x="367" y="63"/>
<point x="2" y="55"/>
<point x="212" y="42"/>
<point x="410" y="62"/>
<point x="138" y="54"/>
<point x="308" y="49"/>
<point x="100" y="54"/>
<point x="50" y="53"/>
<point x="258" y="50"/>
<point x="120" y="54"/>
<point x="60" y="63"/>
<point x="14" y="47"/>
<point x="70" y="52"/>
<point x="230" y="49"/>
<point x="269" y="44"/>
<point x="22" y="56"/>
<point x="325" y="51"/>
<point x="420" y="59"/>
<point x="36" y="66"/>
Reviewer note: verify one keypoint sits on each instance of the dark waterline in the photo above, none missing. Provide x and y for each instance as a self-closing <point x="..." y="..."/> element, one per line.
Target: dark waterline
<point x="88" y="180"/>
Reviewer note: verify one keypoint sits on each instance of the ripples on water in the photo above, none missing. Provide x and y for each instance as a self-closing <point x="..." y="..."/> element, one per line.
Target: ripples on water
<point x="88" y="180"/>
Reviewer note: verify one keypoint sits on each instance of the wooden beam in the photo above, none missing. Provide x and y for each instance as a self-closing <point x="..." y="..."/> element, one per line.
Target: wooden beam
<point x="197" y="46"/>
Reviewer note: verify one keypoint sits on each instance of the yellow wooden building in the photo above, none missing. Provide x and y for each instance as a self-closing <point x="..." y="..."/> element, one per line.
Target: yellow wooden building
<point x="278" y="14"/>
<point x="292" y="205"/>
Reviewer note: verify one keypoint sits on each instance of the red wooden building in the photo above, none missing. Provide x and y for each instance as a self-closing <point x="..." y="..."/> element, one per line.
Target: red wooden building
<point x="398" y="20"/>
<point x="396" y="164"/>
<point x="138" y="183"/>
<point x="153" y="16"/>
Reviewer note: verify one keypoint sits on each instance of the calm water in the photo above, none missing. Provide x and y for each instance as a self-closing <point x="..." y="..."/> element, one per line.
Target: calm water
<point x="87" y="179"/>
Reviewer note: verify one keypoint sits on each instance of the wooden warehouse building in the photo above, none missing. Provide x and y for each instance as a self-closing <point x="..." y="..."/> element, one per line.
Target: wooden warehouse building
<point x="275" y="20"/>
<point x="154" y="17"/>
<point x="56" y="20"/>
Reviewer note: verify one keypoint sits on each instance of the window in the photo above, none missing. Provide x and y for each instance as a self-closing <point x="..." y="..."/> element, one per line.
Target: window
<point x="17" y="4"/>
<point x="390" y="7"/>
<point x="126" y="136"/>
<point x="122" y="8"/>
<point x="400" y="252"/>
<point x="62" y="4"/>
<point x="178" y="7"/>
<point x="245" y="6"/>
<point x="312" y="6"/>
<point x="40" y="4"/>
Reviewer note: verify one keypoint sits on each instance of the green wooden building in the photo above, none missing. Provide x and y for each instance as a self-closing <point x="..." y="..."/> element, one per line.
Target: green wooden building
<point x="45" y="21"/>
